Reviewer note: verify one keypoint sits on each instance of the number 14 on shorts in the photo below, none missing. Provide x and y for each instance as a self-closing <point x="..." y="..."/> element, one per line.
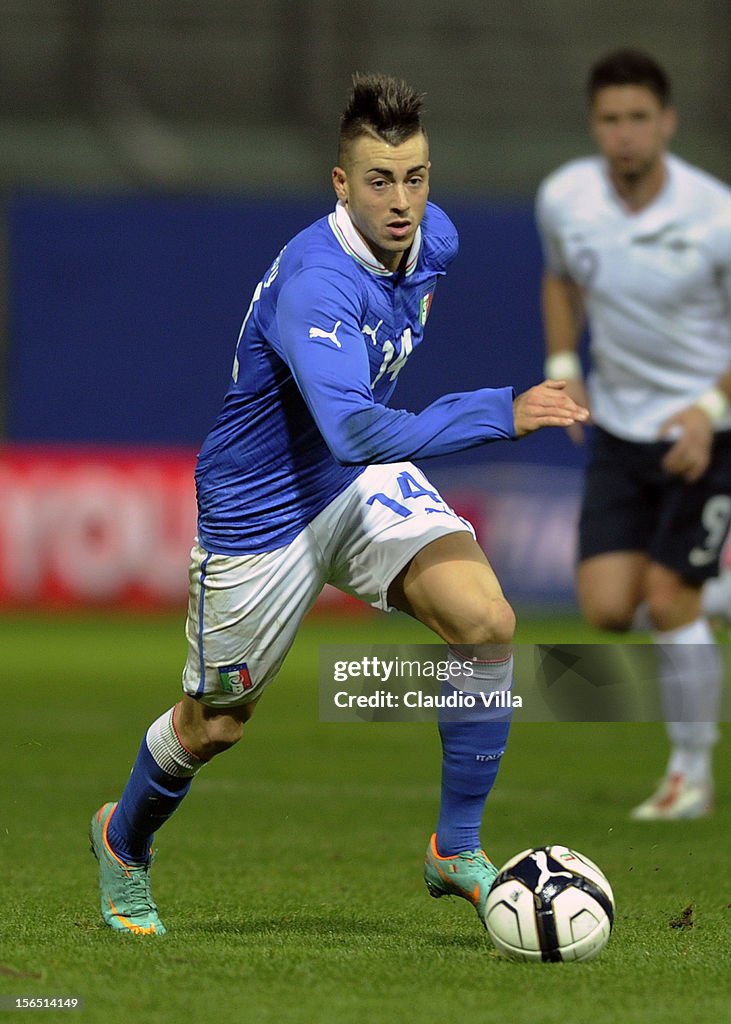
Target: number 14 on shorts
<point x="410" y="489"/>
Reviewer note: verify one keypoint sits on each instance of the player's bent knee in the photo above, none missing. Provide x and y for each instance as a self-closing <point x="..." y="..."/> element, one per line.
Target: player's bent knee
<point x="501" y="625"/>
<point x="482" y="622"/>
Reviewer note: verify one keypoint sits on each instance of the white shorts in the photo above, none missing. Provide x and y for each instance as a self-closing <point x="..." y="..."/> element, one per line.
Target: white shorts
<point x="244" y="611"/>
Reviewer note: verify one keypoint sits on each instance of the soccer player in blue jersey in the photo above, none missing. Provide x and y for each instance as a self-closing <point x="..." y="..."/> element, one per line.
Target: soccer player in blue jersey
<point x="305" y="480"/>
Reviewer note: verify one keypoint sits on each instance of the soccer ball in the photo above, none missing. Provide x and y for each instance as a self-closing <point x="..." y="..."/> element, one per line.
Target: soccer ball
<point x="550" y="903"/>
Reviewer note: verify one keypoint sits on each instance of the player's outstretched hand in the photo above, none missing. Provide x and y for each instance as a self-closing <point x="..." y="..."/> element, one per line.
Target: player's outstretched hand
<point x="546" y="405"/>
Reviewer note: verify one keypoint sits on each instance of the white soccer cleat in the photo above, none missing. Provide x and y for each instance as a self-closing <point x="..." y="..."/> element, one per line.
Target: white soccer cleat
<point x="676" y="799"/>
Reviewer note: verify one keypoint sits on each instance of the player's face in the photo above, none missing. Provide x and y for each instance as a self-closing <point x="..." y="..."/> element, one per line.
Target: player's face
<point x="632" y="129"/>
<point x="385" y="189"/>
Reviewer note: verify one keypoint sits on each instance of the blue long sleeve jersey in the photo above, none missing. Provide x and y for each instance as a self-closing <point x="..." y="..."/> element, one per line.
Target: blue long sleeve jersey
<point x="323" y="341"/>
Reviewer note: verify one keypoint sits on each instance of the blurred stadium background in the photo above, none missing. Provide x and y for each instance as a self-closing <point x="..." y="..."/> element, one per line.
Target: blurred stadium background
<point x="157" y="154"/>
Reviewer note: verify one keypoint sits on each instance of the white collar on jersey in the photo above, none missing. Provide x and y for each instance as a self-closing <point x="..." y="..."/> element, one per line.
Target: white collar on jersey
<point x="345" y="232"/>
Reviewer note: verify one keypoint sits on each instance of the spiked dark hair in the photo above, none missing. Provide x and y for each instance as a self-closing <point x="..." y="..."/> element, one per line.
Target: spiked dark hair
<point x="382" y="107"/>
<point x="629" y="67"/>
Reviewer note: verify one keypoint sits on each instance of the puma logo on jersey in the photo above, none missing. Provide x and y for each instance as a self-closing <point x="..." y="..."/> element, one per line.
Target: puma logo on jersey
<point x="315" y="332"/>
<point x="372" y="331"/>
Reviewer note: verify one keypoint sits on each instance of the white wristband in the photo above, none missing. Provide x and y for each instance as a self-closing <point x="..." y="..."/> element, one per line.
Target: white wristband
<point x="563" y="366"/>
<point x="715" y="403"/>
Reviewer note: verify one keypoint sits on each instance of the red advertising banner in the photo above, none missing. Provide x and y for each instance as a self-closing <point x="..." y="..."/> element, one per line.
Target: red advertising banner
<point x="87" y="526"/>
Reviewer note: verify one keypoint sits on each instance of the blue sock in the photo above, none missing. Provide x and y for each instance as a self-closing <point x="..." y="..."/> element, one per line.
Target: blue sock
<point x="471" y="753"/>
<point x="149" y="798"/>
<point x="161" y="776"/>
<point x="473" y="742"/>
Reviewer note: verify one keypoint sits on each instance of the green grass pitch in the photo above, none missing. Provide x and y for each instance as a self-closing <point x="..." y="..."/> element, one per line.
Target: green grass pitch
<point x="290" y="879"/>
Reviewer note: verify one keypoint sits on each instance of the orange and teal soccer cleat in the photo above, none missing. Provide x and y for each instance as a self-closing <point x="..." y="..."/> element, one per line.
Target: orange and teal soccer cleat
<point x="126" y="901"/>
<point x="469" y="875"/>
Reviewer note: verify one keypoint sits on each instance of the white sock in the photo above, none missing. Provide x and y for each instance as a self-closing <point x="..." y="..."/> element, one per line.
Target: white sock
<point x="695" y="763"/>
<point x="716" y="596"/>
<point x="690" y="673"/>
<point x="168" y="751"/>
<point x="482" y="676"/>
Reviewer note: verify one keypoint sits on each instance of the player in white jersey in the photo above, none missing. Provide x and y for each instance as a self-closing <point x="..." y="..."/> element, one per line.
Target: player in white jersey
<point x="305" y="479"/>
<point x="640" y="242"/>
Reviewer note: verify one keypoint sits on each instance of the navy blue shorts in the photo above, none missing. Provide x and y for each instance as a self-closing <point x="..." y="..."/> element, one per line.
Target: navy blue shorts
<point x="631" y="504"/>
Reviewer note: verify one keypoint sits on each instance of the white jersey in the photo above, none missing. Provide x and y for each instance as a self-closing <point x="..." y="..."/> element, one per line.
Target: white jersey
<point x="656" y="283"/>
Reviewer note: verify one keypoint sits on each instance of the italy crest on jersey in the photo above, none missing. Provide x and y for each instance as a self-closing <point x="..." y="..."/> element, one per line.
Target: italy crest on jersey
<point x="424" y="307"/>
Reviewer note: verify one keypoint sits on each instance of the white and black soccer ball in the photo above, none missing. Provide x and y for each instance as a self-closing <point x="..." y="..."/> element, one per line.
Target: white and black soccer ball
<point x="550" y="904"/>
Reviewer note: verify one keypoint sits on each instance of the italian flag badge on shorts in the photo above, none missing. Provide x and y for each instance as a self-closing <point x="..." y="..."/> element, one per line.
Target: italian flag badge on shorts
<point x="235" y="679"/>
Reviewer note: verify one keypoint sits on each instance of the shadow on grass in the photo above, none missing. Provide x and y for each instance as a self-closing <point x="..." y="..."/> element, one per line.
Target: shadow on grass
<point x="331" y="929"/>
